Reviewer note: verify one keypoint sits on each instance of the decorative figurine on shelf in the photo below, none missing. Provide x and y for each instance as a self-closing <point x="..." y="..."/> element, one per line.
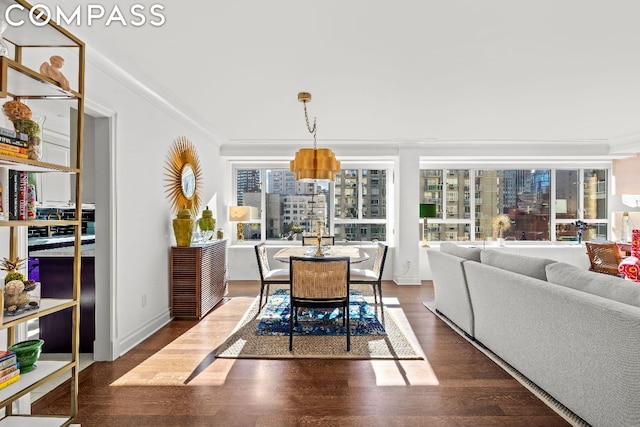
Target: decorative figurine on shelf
<point x="16" y="286"/>
<point x="52" y="70"/>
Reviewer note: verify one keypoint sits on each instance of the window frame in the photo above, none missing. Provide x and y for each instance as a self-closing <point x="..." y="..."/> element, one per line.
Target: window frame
<point x="387" y="165"/>
<point x="553" y="221"/>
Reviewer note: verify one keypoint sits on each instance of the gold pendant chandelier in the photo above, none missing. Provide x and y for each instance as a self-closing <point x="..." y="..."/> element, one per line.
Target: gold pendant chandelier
<point x="313" y="164"/>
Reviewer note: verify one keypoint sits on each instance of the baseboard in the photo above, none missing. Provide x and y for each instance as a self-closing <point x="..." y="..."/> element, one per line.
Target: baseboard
<point x="142" y="333"/>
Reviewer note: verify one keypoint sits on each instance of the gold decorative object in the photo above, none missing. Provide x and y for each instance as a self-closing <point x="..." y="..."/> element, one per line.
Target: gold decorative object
<point x="183" y="176"/>
<point x="207" y="222"/>
<point x="242" y="213"/>
<point x="313" y="164"/>
<point x="183" y="227"/>
<point x="319" y="237"/>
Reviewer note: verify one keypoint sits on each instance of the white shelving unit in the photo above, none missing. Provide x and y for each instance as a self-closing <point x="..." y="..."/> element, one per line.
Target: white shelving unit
<point x="18" y="81"/>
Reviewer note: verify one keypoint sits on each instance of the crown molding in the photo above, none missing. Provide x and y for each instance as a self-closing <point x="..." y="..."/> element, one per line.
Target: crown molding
<point x="153" y="96"/>
<point x="625" y="144"/>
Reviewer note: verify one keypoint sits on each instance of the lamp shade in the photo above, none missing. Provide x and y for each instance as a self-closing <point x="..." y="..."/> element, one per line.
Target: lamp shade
<point x="626" y="175"/>
<point x="315" y="164"/>
<point x="428" y="210"/>
<point x="243" y="213"/>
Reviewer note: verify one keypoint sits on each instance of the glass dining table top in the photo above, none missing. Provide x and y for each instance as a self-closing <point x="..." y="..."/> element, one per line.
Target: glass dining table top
<point x="354" y="253"/>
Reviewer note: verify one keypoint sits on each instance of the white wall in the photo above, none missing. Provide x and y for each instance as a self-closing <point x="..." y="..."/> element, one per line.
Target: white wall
<point x="141" y="239"/>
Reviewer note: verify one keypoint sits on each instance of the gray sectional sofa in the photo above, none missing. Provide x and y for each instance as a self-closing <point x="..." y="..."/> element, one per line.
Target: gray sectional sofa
<point x="574" y="333"/>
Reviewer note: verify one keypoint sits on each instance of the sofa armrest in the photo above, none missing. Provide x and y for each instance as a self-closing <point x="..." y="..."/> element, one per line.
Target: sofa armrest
<point x="450" y="287"/>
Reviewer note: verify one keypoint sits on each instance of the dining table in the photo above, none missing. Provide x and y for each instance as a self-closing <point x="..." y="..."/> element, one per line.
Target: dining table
<point x="354" y="253"/>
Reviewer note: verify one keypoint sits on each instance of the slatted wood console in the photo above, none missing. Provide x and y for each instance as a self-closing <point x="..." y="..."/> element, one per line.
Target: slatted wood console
<point x="198" y="278"/>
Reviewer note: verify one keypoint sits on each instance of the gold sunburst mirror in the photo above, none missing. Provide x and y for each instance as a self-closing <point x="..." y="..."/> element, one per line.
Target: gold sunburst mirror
<point x="183" y="176"/>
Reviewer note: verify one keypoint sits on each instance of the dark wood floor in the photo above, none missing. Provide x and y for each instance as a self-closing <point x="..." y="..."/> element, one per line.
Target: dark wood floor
<point x="459" y="386"/>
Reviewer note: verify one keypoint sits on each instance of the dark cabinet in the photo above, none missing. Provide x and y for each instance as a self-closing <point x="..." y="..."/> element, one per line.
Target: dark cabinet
<point x="198" y="278"/>
<point x="56" y="275"/>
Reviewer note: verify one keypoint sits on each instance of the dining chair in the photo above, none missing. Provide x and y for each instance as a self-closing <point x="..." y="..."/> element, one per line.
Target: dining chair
<point x="604" y="257"/>
<point x="372" y="276"/>
<point x="319" y="282"/>
<point x="313" y="240"/>
<point x="279" y="276"/>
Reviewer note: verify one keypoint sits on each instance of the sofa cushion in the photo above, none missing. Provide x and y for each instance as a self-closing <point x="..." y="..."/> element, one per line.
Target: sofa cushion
<point x="460" y="251"/>
<point x="604" y="285"/>
<point x="526" y="265"/>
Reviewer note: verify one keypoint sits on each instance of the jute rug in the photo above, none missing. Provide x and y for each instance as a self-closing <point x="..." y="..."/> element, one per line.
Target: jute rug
<point x="558" y="407"/>
<point x="397" y="342"/>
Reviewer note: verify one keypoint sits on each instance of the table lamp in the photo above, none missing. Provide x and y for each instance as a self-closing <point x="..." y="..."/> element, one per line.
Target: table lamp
<point x="242" y="213"/>
<point x="427" y="210"/>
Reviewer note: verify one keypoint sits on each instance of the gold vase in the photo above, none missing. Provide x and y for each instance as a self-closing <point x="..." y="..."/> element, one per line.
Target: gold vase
<point x="183" y="227"/>
<point x="207" y="222"/>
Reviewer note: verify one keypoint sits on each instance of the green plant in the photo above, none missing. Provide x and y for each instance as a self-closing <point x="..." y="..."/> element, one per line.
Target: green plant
<point x="14" y="275"/>
<point x="29" y="127"/>
<point x="10" y="266"/>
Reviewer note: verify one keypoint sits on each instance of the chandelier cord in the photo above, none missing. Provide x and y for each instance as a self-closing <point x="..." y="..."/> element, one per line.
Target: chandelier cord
<point x="311" y="129"/>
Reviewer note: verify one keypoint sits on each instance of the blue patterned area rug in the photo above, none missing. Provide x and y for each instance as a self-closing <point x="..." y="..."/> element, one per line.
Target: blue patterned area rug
<point x="378" y="332"/>
<point x="274" y="320"/>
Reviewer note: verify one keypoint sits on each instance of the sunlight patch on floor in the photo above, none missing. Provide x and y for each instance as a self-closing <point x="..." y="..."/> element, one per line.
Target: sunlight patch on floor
<point x="188" y="359"/>
<point x="404" y="373"/>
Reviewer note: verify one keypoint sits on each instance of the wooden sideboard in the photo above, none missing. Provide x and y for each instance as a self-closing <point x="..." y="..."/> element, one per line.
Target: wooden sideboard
<point x="198" y="278"/>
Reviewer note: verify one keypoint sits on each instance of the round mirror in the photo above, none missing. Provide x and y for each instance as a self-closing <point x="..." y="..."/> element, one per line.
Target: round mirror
<point x="183" y="176"/>
<point x="188" y="181"/>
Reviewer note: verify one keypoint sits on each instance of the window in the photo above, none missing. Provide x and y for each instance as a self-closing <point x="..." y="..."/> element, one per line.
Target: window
<point x="466" y="212"/>
<point x="360" y="204"/>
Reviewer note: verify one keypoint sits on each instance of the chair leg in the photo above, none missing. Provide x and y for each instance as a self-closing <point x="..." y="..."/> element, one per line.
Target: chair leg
<point x="291" y="314"/>
<point x="261" y="292"/>
<point x="346" y="315"/>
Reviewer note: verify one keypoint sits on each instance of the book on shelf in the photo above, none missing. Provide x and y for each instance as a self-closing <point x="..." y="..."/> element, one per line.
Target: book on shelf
<point x="13" y="142"/>
<point x="11" y="133"/>
<point x="14" y="188"/>
<point x="10" y="361"/>
<point x="4" y="195"/>
<point x="10" y="381"/>
<point x="22" y="195"/>
<point x="13" y="148"/>
<point x="9" y="369"/>
<point x="5" y="354"/>
<point x="11" y="375"/>
<point x="13" y="154"/>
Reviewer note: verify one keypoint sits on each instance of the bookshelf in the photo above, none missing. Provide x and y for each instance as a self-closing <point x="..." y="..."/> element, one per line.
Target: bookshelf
<point x="22" y="81"/>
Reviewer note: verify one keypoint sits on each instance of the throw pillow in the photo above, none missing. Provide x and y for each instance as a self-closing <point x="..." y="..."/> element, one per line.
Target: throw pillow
<point x="526" y="265"/>
<point x="604" y="285"/>
<point x="461" y="251"/>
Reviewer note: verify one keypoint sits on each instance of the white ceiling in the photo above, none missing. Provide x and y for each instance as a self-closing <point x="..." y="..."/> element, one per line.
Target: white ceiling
<point x="392" y="70"/>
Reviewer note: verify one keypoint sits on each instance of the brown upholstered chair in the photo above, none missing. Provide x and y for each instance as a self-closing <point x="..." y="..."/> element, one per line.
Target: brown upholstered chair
<point x="604" y="257"/>
<point x="313" y="240"/>
<point x="372" y="276"/>
<point x="268" y="276"/>
<point x="319" y="282"/>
